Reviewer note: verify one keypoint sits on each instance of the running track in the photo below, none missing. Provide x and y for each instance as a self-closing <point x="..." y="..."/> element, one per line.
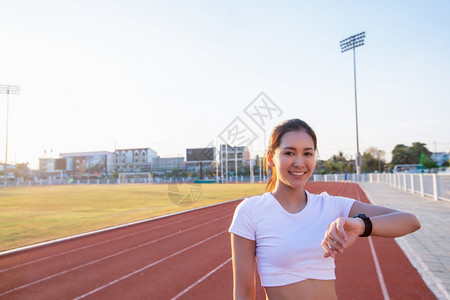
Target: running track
<point x="188" y="256"/>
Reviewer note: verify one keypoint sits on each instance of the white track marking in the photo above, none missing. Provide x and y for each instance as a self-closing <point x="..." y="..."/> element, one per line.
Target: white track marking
<point x="201" y="279"/>
<point x="102" y="242"/>
<point x="378" y="268"/>
<point x="149" y="266"/>
<point x="377" y="264"/>
<point x="110" y="228"/>
<point x="107" y="257"/>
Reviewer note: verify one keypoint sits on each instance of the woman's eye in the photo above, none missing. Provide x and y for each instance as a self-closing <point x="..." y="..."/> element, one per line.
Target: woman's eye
<point x="309" y="154"/>
<point x="289" y="153"/>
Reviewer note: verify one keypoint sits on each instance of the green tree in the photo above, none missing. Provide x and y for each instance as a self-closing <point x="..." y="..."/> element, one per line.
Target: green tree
<point x="416" y="154"/>
<point x="400" y="155"/>
<point x="176" y="172"/>
<point x="416" y="151"/>
<point x="372" y="160"/>
<point x="335" y="164"/>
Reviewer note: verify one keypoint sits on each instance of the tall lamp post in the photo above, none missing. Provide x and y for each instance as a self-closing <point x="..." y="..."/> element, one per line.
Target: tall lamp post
<point x="351" y="43"/>
<point x="8" y="90"/>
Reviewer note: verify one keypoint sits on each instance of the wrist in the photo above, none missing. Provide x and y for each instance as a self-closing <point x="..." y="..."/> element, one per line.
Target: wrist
<point x="362" y="226"/>
<point x="367" y="226"/>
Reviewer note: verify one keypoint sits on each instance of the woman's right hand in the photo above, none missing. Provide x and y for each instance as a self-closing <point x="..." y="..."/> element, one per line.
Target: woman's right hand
<point x="341" y="234"/>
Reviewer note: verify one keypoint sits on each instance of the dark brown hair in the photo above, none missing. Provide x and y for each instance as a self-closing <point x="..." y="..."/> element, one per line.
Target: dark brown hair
<point x="275" y="140"/>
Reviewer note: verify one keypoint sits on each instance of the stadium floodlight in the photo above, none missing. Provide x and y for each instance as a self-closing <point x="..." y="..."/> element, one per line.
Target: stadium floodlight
<point x="8" y="90"/>
<point x="353" y="42"/>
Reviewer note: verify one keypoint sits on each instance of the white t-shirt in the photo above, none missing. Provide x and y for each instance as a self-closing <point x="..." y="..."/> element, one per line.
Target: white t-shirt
<point x="288" y="246"/>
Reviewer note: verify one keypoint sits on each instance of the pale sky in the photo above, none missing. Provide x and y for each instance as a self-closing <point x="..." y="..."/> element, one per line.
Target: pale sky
<point x="171" y="75"/>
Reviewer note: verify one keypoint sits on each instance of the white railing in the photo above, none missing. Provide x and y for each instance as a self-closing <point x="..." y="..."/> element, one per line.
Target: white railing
<point x="431" y="185"/>
<point x="339" y="177"/>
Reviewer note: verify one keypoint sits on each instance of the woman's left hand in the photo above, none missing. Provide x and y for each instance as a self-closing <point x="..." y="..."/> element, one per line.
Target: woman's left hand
<point x="341" y="234"/>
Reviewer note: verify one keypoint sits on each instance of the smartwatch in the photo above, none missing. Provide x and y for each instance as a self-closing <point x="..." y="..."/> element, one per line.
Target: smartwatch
<point x="367" y="223"/>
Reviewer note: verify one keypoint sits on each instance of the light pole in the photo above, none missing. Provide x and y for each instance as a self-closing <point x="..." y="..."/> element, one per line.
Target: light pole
<point x="353" y="42"/>
<point x="8" y="90"/>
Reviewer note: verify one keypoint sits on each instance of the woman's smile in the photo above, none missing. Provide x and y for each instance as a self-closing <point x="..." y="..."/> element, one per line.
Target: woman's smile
<point x="297" y="173"/>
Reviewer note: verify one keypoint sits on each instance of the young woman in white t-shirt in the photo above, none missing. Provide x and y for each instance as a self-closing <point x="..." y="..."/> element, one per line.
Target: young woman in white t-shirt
<point x="295" y="235"/>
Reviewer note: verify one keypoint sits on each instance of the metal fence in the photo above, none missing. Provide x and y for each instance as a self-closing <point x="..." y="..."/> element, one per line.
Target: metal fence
<point x="340" y="177"/>
<point x="431" y="185"/>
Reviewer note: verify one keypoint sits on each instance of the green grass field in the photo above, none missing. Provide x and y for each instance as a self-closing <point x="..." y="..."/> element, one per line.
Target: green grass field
<point x="29" y="215"/>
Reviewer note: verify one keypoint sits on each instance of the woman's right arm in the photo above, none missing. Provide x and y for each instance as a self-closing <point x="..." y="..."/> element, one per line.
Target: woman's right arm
<point x="243" y="253"/>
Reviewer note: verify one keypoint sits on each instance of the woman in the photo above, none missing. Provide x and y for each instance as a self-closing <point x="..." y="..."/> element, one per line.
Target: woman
<point x="293" y="236"/>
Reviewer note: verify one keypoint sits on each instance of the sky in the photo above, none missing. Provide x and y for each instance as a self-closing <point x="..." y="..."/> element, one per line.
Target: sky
<point x="102" y="75"/>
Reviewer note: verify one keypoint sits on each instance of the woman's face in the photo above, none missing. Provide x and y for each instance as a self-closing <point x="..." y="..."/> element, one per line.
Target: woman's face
<point x="294" y="160"/>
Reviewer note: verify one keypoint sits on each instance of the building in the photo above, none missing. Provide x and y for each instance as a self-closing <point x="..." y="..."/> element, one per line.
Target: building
<point x="230" y="155"/>
<point x="440" y="157"/>
<point x="162" y="165"/>
<point x="134" y="159"/>
<point x="86" y="164"/>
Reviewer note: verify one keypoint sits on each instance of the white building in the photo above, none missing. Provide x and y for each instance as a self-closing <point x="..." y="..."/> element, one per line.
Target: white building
<point x="134" y="159"/>
<point x="440" y="157"/>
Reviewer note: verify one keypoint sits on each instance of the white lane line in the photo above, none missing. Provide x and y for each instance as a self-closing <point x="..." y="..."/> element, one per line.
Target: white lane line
<point x="107" y="257"/>
<point x="201" y="279"/>
<point x="101" y="242"/>
<point x="379" y="273"/>
<point x="149" y="266"/>
<point x="377" y="264"/>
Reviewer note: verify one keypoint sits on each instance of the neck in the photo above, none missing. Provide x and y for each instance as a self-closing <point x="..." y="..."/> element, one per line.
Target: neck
<point x="289" y="194"/>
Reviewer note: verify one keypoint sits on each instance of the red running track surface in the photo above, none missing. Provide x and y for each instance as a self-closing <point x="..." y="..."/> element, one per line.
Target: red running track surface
<point x="188" y="256"/>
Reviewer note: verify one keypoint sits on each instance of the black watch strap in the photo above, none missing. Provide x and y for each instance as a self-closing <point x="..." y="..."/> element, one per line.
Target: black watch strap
<point x="367" y="223"/>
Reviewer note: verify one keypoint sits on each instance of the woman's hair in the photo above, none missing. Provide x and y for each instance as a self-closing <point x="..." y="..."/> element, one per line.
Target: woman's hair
<point x="275" y="140"/>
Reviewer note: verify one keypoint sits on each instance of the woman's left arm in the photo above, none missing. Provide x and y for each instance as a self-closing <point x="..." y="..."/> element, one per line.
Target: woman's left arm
<point x="386" y="222"/>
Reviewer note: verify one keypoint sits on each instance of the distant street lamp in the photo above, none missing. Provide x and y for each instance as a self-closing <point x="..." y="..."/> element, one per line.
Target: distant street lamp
<point x="351" y="43"/>
<point x="8" y="90"/>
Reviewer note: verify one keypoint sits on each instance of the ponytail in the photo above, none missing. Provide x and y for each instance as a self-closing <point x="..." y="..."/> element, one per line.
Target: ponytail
<point x="270" y="171"/>
<point x="272" y="182"/>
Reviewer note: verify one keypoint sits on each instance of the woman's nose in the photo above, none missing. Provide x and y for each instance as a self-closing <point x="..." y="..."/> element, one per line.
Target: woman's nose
<point x="298" y="161"/>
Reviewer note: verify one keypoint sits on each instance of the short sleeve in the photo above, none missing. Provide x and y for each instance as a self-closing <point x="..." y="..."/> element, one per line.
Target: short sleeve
<point x="346" y="206"/>
<point x="242" y="223"/>
<point x="343" y="205"/>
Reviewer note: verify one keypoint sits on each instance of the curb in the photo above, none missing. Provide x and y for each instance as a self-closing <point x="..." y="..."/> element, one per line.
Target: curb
<point x="3" y="253"/>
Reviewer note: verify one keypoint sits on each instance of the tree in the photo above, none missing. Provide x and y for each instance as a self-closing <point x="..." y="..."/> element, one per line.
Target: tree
<point x="22" y="171"/>
<point x="416" y="154"/>
<point x="176" y="172"/>
<point x="336" y="164"/>
<point x="372" y="160"/>
<point x="400" y="155"/>
<point x="416" y="151"/>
